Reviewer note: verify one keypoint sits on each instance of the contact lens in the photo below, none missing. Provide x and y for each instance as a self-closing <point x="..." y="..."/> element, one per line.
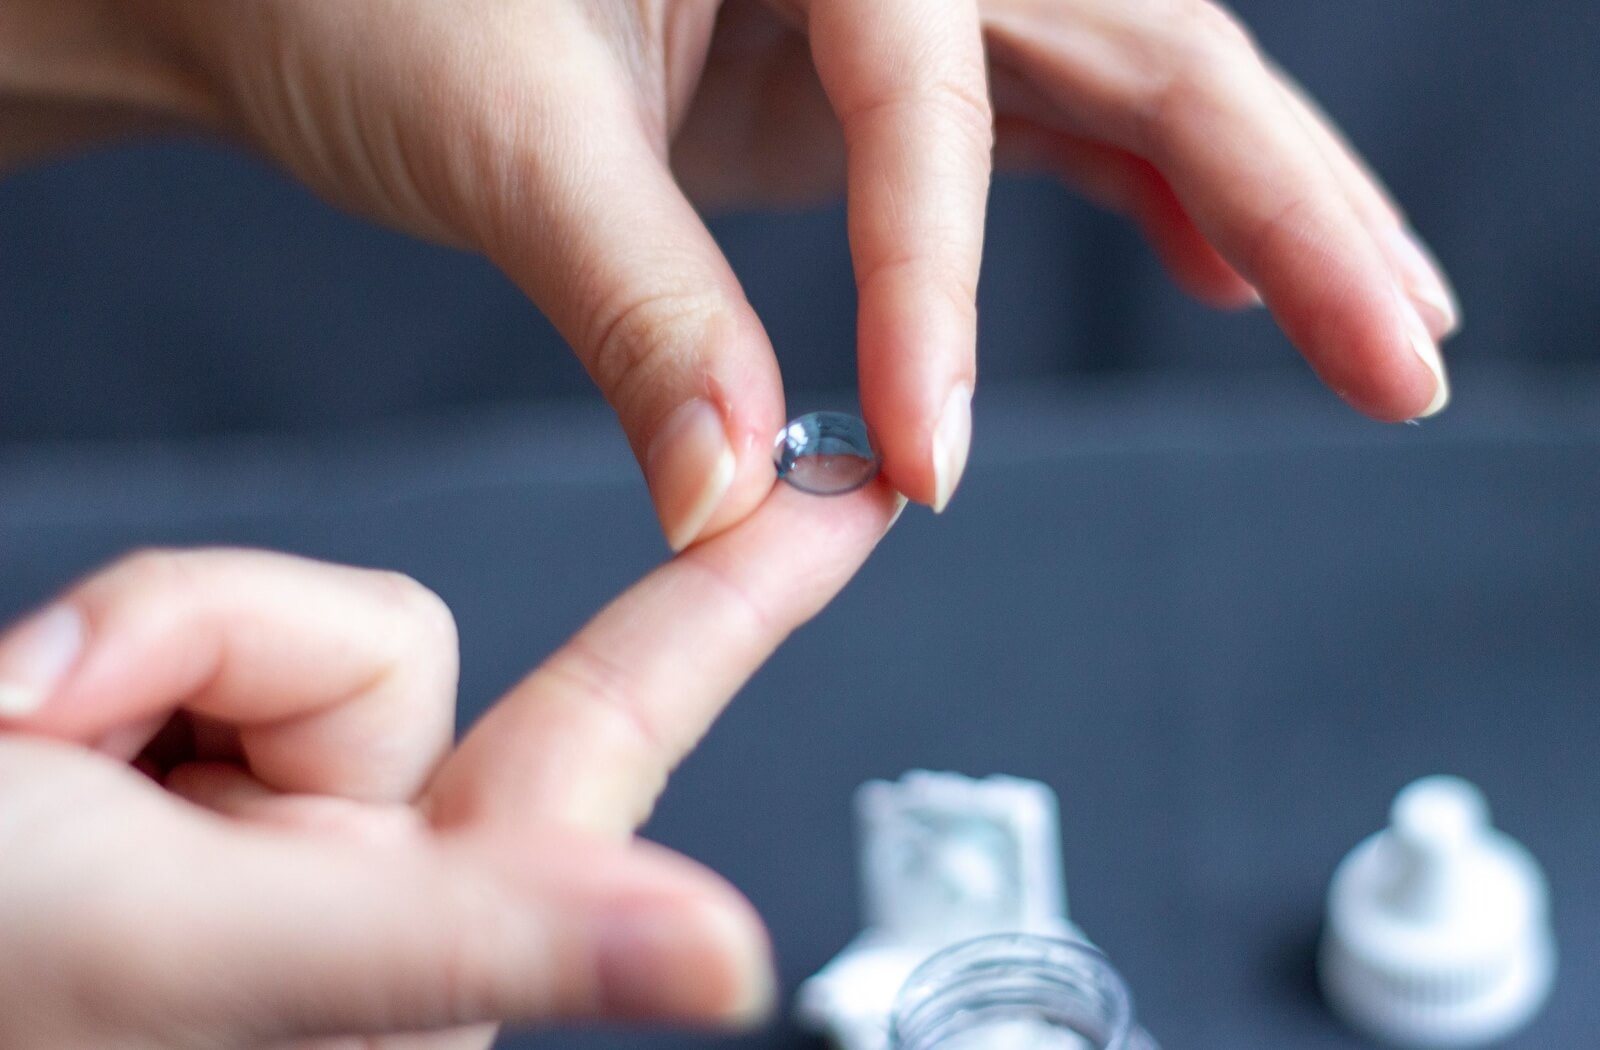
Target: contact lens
<point x="826" y="453"/>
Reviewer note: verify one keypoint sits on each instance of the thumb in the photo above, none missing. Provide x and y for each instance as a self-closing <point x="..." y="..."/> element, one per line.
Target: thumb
<point x="436" y="933"/>
<point x="536" y="133"/>
<point x="607" y="245"/>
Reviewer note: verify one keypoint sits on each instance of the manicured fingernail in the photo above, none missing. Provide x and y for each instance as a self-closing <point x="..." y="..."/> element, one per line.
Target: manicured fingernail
<point x="952" y="437"/>
<point x="1419" y="274"/>
<point x="686" y="960"/>
<point x="1427" y="349"/>
<point x="35" y="656"/>
<point x="689" y="466"/>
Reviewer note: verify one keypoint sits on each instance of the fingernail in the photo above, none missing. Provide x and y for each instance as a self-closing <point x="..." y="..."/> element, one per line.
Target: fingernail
<point x="1427" y="349"/>
<point x="35" y="656"/>
<point x="689" y="466"/>
<point x="899" y="509"/>
<point x="952" y="437"/>
<point x="688" y="960"/>
<point x="1419" y="275"/>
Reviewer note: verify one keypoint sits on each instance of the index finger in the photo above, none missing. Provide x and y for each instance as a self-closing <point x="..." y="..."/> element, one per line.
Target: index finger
<point x="588" y="739"/>
<point x="908" y="84"/>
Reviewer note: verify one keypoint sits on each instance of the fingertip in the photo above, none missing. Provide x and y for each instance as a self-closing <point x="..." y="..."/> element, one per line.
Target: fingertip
<point x="749" y="474"/>
<point x="689" y="467"/>
<point x="909" y="468"/>
<point x="674" y="941"/>
<point x="952" y="440"/>
<point x="1426" y="347"/>
<point x="36" y="657"/>
<point x="708" y="460"/>
<point x="682" y="960"/>
<point x="917" y="362"/>
<point x="1409" y="383"/>
<point x="1423" y="279"/>
<point x="818" y="532"/>
<point x="824" y="540"/>
<point x="748" y="990"/>
<point x="924" y="462"/>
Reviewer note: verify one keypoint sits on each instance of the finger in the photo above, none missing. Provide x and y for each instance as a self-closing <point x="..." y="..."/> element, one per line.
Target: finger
<point x="1191" y="95"/>
<point x="422" y="935"/>
<point x="907" y="82"/>
<point x="229" y="791"/>
<point x="538" y="134"/>
<point x="124" y="742"/>
<point x="360" y="934"/>
<point x="339" y="680"/>
<point x="476" y="1037"/>
<point x="1128" y="185"/>
<point x="599" y="234"/>
<point x="589" y="738"/>
<point x="1419" y="272"/>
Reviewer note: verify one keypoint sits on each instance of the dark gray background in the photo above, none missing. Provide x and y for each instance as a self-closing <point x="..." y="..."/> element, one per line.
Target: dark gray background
<point x="179" y="290"/>
<point x="1225" y="618"/>
<point x="1225" y="637"/>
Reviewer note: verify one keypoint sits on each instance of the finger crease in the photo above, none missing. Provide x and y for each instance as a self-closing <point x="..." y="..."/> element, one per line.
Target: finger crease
<point x="603" y="684"/>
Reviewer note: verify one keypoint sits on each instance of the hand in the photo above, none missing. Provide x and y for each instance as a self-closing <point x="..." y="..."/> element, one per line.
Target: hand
<point x="317" y="867"/>
<point x="558" y="137"/>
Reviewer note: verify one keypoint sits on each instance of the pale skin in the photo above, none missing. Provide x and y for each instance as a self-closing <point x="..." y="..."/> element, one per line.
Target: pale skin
<point x="571" y="140"/>
<point x="313" y="865"/>
<point x="316" y="864"/>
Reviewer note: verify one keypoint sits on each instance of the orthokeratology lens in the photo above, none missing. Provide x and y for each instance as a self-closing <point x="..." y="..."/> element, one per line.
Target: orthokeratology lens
<point x="826" y="453"/>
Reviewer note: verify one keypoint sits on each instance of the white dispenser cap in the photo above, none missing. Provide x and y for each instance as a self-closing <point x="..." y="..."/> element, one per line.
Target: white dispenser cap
<point x="1438" y="931"/>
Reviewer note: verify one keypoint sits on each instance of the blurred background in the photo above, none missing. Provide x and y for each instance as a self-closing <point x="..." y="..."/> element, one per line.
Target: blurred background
<point x="1223" y="616"/>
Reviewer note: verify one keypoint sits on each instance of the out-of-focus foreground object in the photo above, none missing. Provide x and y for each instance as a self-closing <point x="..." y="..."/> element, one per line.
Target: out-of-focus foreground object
<point x="944" y="858"/>
<point x="1438" y="931"/>
<point x="1016" y="992"/>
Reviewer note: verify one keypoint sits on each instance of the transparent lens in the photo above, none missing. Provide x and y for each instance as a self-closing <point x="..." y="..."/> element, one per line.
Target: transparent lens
<point x="1016" y="992"/>
<point x="826" y="453"/>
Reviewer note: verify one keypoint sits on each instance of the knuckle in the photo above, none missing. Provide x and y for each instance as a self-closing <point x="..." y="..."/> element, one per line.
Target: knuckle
<point x="1201" y="35"/>
<point x="604" y="688"/>
<point x="634" y="342"/>
<point x="422" y="610"/>
<point x="1215" y="29"/>
<point x="1291" y="230"/>
<point x="957" y="103"/>
<point x="1199" y="50"/>
<point x="751" y="611"/>
<point x="149" y="569"/>
<point x="964" y="101"/>
<point x="955" y="286"/>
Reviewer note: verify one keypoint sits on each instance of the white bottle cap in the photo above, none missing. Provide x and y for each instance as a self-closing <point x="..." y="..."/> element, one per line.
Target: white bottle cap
<point x="1438" y="931"/>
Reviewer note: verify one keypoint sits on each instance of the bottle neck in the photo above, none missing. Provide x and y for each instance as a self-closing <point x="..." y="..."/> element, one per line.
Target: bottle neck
<point x="1014" y="990"/>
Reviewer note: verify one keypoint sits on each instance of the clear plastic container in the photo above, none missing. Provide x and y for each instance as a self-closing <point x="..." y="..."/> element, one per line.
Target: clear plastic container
<point x="1016" y="992"/>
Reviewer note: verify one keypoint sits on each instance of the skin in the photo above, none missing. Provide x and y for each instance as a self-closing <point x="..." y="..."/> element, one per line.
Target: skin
<point x="297" y="858"/>
<point x="297" y="716"/>
<point x="571" y="141"/>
